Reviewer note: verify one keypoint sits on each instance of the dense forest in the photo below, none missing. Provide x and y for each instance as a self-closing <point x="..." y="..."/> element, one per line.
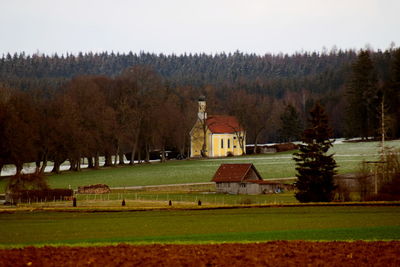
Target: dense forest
<point x="271" y="75"/>
<point x="66" y="107"/>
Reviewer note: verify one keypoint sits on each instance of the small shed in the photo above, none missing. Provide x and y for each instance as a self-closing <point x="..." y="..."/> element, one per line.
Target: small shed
<point x="242" y="178"/>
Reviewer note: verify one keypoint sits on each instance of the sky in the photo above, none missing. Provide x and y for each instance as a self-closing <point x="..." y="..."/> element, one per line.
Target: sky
<point x="202" y="26"/>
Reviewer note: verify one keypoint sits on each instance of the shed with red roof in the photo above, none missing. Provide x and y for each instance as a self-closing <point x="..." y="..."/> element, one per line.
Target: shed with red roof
<point x="242" y="178"/>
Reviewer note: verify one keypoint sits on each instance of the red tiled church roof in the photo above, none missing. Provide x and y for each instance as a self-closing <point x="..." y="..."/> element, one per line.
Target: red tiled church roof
<point x="223" y="124"/>
<point x="235" y="173"/>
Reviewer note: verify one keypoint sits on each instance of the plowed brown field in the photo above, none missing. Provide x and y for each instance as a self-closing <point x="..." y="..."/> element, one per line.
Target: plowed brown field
<point x="278" y="253"/>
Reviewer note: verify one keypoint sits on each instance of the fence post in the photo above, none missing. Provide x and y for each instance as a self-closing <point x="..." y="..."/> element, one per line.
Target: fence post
<point x="74" y="202"/>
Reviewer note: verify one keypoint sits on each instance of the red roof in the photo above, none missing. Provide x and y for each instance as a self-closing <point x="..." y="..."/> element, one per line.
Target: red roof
<point x="262" y="182"/>
<point x="223" y="124"/>
<point x="237" y="173"/>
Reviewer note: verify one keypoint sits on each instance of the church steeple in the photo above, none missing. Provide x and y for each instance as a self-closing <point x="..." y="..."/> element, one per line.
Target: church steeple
<point x="202" y="114"/>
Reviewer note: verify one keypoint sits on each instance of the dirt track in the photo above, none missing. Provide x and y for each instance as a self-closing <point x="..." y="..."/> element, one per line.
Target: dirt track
<point x="279" y="253"/>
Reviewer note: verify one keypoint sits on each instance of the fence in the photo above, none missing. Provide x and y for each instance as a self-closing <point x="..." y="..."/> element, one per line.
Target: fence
<point x="146" y="199"/>
<point x="46" y="195"/>
<point x="210" y="199"/>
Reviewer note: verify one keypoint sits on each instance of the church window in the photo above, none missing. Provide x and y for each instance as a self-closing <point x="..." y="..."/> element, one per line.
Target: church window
<point x="229" y="143"/>
<point x="222" y="143"/>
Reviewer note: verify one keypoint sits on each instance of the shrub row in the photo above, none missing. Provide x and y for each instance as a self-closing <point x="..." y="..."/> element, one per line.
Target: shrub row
<point x="25" y="196"/>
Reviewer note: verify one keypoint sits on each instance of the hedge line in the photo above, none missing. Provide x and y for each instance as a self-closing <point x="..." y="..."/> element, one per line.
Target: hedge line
<point x="24" y="196"/>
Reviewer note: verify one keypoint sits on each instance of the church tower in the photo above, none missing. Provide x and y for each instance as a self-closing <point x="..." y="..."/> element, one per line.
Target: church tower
<point x="202" y="114"/>
<point x="216" y="135"/>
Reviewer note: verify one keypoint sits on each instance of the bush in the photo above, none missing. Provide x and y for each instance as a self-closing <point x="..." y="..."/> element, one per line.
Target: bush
<point x="342" y="194"/>
<point x="33" y="181"/>
<point x="384" y="175"/>
<point x="390" y="191"/>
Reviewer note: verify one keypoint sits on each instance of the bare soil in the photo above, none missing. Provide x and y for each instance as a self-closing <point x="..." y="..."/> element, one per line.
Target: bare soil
<point x="277" y="253"/>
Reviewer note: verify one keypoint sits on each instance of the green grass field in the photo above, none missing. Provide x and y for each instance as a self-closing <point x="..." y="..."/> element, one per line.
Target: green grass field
<point x="161" y="199"/>
<point x="278" y="165"/>
<point x="197" y="226"/>
<point x="192" y="198"/>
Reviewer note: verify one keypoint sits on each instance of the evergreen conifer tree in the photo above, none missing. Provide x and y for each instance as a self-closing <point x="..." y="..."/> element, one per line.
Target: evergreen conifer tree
<point x="392" y="96"/>
<point x="362" y="89"/>
<point x="315" y="169"/>
<point x="291" y="125"/>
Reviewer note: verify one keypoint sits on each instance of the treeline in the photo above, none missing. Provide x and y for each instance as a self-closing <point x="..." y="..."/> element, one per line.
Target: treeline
<point x="93" y="116"/>
<point x="271" y="75"/>
<point x="70" y="107"/>
<point x="132" y="114"/>
<point x="373" y="103"/>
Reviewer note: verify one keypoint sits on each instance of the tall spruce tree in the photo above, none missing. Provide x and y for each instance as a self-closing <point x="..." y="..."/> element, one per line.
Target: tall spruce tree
<point x="362" y="119"/>
<point x="315" y="169"/>
<point x="392" y="96"/>
<point x="291" y="125"/>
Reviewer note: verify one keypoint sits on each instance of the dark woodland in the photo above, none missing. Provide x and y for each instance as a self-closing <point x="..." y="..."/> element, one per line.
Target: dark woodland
<point x="69" y="107"/>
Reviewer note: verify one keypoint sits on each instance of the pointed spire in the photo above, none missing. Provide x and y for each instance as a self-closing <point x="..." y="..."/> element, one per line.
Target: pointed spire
<point x="202" y="114"/>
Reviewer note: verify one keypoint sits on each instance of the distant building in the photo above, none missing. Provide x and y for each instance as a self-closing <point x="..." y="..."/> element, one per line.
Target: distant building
<point x="242" y="179"/>
<point x="270" y="148"/>
<point x="216" y="135"/>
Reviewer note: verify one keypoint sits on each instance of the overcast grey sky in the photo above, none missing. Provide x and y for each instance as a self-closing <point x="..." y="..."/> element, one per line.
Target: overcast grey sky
<point x="210" y="26"/>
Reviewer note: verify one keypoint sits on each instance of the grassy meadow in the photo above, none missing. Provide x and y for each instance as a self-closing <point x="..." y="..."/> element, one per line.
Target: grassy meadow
<point x="277" y="165"/>
<point x="200" y="226"/>
<point x="146" y="199"/>
<point x="190" y="198"/>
